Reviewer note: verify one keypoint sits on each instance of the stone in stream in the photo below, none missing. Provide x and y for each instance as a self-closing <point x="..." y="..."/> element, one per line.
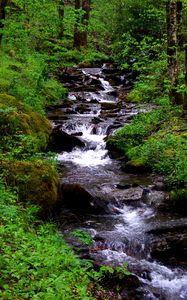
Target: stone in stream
<point x="62" y="141"/>
<point x="79" y="200"/>
<point x="132" y="194"/>
<point x="153" y="198"/>
<point x="170" y="247"/>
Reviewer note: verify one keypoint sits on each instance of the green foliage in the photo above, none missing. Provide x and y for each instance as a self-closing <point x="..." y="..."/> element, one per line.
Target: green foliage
<point x="30" y="25"/>
<point x="24" y="131"/>
<point x="27" y="81"/>
<point x="83" y="236"/>
<point x="104" y="271"/>
<point x="35" y="261"/>
<point x="157" y="141"/>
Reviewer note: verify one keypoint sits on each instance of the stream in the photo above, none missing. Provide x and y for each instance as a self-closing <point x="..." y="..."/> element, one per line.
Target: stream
<point x="120" y="210"/>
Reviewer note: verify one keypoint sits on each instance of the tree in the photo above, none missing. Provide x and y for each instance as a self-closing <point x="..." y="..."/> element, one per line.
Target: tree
<point x="172" y="48"/>
<point x="82" y="10"/>
<point x="3" y="4"/>
<point x="61" y="17"/>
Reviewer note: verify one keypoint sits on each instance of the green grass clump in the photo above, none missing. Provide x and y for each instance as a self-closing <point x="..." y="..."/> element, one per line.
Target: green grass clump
<point x="35" y="261"/>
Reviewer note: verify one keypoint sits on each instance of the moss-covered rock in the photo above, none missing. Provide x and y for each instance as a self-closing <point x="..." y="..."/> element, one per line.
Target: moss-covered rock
<point x="17" y="118"/>
<point x="35" y="181"/>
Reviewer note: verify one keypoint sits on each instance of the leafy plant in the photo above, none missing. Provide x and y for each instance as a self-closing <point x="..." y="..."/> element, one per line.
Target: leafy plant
<point x="83" y="236"/>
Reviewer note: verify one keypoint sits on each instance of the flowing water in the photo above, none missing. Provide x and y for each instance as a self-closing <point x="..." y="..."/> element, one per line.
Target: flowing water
<point x="123" y="234"/>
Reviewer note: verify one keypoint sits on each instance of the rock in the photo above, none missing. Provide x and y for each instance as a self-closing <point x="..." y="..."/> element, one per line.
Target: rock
<point x="62" y="141"/>
<point x="171" y="248"/>
<point x="22" y="119"/>
<point x="79" y="133"/>
<point x="82" y="108"/>
<point x="153" y="198"/>
<point x="95" y="101"/>
<point x="178" y="201"/>
<point x="79" y="200"/>
<point x="35" y="181"/>
<point x="96" y="120"/>
<point x="111" y="128"/>
<point x="135" y="166"/>
<point x="132" y="194"/>
<point x="108" y="105"/>
<point x="94" y="130"/>
<point x="159" y="183"/>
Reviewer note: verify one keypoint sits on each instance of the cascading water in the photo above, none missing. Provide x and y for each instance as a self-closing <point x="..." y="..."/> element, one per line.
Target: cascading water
<point x="122" y="235"/>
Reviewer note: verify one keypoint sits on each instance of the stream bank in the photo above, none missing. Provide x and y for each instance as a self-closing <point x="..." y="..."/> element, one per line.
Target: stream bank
<point x="120" y="210"/>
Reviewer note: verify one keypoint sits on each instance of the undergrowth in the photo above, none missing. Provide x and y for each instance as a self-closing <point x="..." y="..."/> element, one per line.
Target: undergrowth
<point x="35" y="261"/>
<point x="158" y="141"/>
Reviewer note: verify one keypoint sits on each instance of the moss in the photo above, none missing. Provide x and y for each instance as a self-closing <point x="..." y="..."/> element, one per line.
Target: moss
<point x="20" y="118"/>
<point x="136" y="165"/>
<point x="35" y="181"/>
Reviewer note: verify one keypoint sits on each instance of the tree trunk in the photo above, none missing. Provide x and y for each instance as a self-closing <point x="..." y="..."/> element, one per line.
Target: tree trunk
<point x="77" y="33"/>
<point x="80" y="36"/>
<point x="85" y="20"/>
<point x="185" y="72"/>
<point x="61" y="16"/>
<point x="172" y="47"/>
<point x="180" y="39"/>
<point x="3" y="4"/>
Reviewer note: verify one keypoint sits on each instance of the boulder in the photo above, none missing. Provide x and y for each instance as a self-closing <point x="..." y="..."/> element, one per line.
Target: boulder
<point x="18" y="118"/>
<point x="153" y="198"/>
<point x="35" y="181"/>
<point x="171" y="247"/>
<point x="159" y="183"/>
<point x="62" y="141"/>
<point x="78" y="199"/>
<point x="132" y="194"/>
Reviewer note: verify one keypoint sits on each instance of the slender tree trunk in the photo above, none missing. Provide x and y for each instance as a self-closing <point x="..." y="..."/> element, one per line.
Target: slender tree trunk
<point x="85" y="20"/>
<point x="77" y="33"/>
<point x="80" y="36"/>
<point x="61" y="16"/>
<point x="180" y="39"/>
<point x="3" y="4"/>
<point x="173" y="64"/>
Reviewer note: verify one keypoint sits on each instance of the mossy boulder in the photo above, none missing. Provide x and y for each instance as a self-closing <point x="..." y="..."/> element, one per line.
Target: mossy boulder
<point x="17" y="118"/>
<point x="35" y="181"/>
<point x="135" y="166"/>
